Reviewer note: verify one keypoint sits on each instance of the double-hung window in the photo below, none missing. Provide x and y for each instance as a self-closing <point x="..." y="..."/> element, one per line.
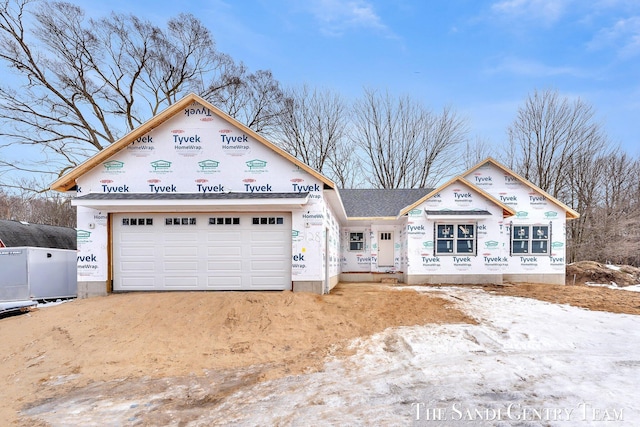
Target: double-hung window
<point x="356" y="241"/>
<point x="455" y="239"/>
<point x="530" y="239"/>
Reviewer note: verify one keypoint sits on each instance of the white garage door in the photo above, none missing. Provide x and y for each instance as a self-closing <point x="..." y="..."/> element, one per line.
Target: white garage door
<point x="201" y="251"/>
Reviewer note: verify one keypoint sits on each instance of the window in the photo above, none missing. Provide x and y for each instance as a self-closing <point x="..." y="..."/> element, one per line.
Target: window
<point x="179" y="221"/>
<point x="530" y="239"/>
<point x="455" y="239"/>
<point x="224" y="221"/>
<point x="356" y="241"/>
<point x="272" y="220"/>
<point x="137" y="221"/>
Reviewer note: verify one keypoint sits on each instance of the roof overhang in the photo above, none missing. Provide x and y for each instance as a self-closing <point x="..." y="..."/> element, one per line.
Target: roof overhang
<point x="192" y="202"/>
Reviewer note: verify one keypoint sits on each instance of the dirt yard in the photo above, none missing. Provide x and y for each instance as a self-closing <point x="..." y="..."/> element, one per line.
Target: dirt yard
<point x="50" y="351"/>
<point x="59" y="350"/>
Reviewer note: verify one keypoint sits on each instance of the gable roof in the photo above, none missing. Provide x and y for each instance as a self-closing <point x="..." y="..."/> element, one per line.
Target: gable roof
<point x="68" y="181"/>
<point x="379" y="203"/>
<point x="506" y="210"/>
<point x="570" y="213"/>
<point x="16" y="233"/>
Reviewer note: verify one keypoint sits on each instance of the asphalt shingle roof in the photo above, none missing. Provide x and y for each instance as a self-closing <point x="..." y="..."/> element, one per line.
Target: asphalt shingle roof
<point x="16" y="233"/>
<point x="363" y="203"/>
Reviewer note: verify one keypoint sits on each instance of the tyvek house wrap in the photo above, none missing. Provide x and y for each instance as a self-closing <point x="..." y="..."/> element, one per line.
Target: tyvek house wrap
<point x="198" y="152"/>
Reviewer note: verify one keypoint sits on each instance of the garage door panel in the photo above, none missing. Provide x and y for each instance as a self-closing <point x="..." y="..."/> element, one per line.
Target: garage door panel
<point x="266" y="251"/>
<point x="267" y="265"/>
<point x="224" y="236"/>
<point x="224" y="251"/>
<point x="180" y="282"/>
<point x="138" y="238"/>
<point x="184" y="266"/>
<point x="136" y="283"/>
<point x="266" y="236"/>
<point x="228" y="266"/>
<point x="180" y="236"/>
<point x="180" y="251"/>
<point x="137" y="251"/>
<point x="267" y="282"/>
<point x="201" y="251"/>
<point x="225" y="282"/>
<point x="138" y="266"/>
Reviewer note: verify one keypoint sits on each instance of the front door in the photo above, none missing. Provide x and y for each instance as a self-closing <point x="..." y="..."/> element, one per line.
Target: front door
<point x="385" y="249"/>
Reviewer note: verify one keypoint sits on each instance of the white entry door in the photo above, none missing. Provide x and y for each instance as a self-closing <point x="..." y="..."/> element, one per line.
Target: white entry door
<point x="385" y="249"/>
<point x="196" y="251"/>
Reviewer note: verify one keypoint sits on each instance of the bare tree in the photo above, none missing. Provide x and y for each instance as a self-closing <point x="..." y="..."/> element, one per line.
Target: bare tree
<point x="557" y="144"/>
<point x="621" y="227"/>
<point x="548" y="132"/>
<point x="49" y="208"/>
<point x="83" y="83"/>
<point x="608" y="229"/>
<point x="585" y="176"/>
<point x="312" y="125"/>
<point x="345" y="167"/>
<point x="405" y="144"/>
<point x="252" y="98"/>
<point x="476" y="152"/>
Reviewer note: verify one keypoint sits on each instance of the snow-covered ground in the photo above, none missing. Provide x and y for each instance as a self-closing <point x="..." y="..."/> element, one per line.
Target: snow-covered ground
<point x="633" y="288"/>
<point x="525" y="363"/>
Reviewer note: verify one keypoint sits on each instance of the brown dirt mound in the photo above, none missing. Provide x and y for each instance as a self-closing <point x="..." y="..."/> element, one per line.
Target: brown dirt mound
<point x="583" y="272"/>
<point x="589" y="297"/>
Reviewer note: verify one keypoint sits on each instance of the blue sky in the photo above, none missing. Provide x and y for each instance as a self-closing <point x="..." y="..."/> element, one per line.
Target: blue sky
<point x="481" y="57"/>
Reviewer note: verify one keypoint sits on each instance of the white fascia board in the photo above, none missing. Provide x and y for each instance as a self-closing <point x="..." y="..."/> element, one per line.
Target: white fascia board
<point x="333" y="200"/>
<point x="191" y="205"/>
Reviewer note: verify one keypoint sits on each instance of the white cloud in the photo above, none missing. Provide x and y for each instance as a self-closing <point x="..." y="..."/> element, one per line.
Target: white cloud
<point x="623" y="36"/>
<point x="544" y="11"/>
<point x="336" y="17"/>
<point x="531" y="68"/>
